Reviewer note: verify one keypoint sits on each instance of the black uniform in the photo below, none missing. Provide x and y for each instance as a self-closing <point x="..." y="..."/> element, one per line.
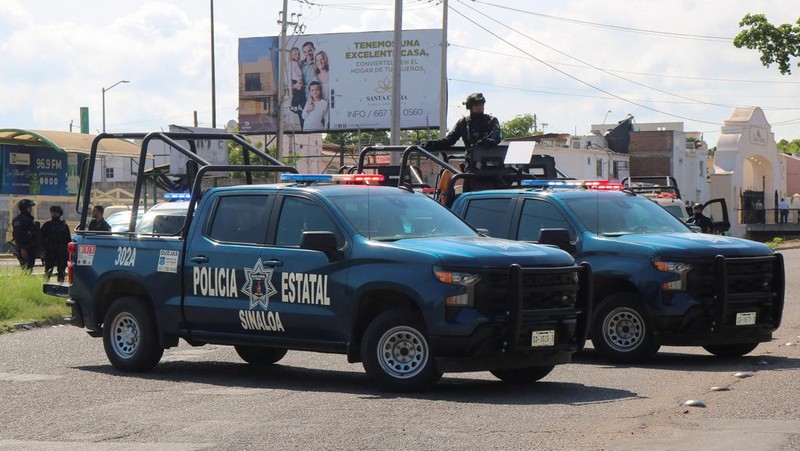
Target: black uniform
<point x="704" y="222"/>
<point x="475" y="130"/>
<point x="101" y="225"/>
<point x="26" y="236"/>
<point x="55" y="238"/>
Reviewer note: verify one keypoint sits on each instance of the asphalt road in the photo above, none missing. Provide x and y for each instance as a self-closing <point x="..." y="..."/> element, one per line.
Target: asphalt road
<point x="58" y="391"/>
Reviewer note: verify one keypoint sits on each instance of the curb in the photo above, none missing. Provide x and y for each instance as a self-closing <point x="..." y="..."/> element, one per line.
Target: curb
<point x="20" y="327"/>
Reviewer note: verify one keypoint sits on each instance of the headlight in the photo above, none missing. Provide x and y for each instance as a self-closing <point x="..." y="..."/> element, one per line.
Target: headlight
<point x="466" y="280"/>
<point x="678" y="268"/>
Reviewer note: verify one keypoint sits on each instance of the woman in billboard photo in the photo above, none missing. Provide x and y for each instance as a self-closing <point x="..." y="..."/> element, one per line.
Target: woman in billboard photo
<point x="322" y="72"/>
<point x="315" y="113"/>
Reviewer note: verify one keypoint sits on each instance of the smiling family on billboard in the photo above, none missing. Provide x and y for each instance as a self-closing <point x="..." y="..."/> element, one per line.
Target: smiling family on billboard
<point x="340" y="81"/>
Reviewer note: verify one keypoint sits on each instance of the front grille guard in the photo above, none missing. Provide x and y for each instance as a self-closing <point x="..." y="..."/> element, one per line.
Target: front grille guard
<point x="722" y="297"/>
<point x="582" y="309"/>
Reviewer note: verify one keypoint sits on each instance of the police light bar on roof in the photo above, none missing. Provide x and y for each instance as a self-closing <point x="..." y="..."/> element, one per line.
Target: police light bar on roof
<point x="553" y="183"/>
<point x="343" y="178"/>
<point x="174" y="197"/>
<point x="604" y="185"/>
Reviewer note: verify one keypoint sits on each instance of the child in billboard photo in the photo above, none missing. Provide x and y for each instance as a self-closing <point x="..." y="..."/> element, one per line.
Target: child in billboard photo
<point x="315" y="113"/>
<point x="298" y="90"/>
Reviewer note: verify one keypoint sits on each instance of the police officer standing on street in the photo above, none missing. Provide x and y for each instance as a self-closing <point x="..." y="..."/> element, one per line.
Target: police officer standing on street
<point x="55" y="238"/>
<point x="477" y="129"/>
<point x="26" y="234"/>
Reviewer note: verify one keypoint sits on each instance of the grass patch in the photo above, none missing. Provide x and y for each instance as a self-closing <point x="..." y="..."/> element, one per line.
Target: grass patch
<point x="22" y="299"/>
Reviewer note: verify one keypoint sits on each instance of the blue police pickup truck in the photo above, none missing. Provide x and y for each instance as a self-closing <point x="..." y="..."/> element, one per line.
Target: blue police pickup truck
<point x="385" y="275"/>
<point x="655" y="282"/>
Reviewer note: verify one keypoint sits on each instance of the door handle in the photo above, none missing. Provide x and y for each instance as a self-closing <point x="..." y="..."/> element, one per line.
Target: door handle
<point x="273" y="262"/>
<point x="199" y="259"/>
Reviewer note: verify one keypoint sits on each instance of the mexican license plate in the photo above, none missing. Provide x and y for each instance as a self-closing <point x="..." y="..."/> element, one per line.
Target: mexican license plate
<point x="745" y="318"/>
<point x="543" y="338"/>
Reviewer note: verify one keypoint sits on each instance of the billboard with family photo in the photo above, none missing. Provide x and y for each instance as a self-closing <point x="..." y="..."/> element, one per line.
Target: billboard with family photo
<point x="339" y="81"/>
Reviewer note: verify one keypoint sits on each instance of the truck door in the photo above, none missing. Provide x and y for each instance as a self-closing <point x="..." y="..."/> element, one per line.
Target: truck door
<point x="717" y="211"/>
<point x="221" y="263"/>
<point x="309" y="289"/>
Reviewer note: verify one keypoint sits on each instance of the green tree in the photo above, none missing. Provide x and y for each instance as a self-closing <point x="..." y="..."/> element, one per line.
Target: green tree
<point x="776" y="44"/>
<point x="352" y="142"/>
<point x="522" y="125"/>
<point x="790" y="147"/>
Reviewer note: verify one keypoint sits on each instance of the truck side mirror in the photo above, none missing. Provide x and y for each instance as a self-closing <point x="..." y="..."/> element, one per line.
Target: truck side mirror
<point x="483" y="232"/>
<point x="556" y="237"/>
<point x="323" y="242"/>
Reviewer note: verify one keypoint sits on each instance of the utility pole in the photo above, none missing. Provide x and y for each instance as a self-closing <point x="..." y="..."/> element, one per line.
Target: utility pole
<point x="213" y="75"/>
<point x="281" y="63"/>
<point x="443" y="83"/>
<point x="396" y="70"/>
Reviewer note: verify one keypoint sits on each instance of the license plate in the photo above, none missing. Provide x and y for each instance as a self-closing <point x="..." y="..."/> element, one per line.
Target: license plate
<point x="745" y="319"/>
<point x="543" y="338"/>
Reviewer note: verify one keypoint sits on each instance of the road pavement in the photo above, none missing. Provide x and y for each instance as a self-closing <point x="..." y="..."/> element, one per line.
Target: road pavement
<point x="60" y="392"/>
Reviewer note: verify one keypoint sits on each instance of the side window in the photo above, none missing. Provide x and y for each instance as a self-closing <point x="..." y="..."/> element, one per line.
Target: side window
<point x="490" y="214"/>
<point x="538" y="215"/>
<point x="240" y="219"/>
<point x="300" y="215"/>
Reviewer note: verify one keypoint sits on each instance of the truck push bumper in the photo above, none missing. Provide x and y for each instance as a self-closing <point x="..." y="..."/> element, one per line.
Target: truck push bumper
<point x="524" y="335"/>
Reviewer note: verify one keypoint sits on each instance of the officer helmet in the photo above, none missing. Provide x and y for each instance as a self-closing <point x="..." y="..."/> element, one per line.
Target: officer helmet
<point x="25" y="203"/>
<point x="57" y="209"/>
<point x="474" y="99"/>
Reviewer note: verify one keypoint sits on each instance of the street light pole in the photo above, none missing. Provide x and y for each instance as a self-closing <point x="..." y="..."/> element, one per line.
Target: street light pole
<point x="104" y="101"/>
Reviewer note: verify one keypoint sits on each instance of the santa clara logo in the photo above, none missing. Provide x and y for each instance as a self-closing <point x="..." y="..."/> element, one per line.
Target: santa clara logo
<point x="258" y="285"/>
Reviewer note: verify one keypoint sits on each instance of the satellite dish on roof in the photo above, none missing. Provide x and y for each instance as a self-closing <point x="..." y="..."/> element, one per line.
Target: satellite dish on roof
<point x="231" y="126"/>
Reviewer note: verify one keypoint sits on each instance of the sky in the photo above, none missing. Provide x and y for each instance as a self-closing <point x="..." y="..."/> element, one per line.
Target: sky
<point x="572" y="63"/>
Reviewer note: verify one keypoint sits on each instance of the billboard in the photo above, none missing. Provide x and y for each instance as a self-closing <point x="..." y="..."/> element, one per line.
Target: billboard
<point x="33" y="170"/>
<point x="339" y="81"/>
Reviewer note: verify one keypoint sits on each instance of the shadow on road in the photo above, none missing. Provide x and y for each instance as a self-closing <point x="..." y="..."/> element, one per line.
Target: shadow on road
<point x="667" y="360"/>
<point x="451" y="388"/>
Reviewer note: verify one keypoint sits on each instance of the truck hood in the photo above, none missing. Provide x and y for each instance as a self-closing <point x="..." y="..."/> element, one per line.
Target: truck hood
<point x="695" y="245"/>
<point x="485" y="252"/>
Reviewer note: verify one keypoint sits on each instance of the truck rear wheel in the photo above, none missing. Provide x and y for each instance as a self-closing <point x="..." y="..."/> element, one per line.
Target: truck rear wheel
<point x="130" y="335"/>
<point x="621" y="331"/>
<point x="731" y="351"/>
<point x="259" y="355"/>
<point x="396" y="353"/>
<point x="522" y="375"/>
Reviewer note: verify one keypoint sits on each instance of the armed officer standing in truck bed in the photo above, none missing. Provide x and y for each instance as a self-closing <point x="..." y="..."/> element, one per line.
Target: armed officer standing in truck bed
<point x="477" y="129"/>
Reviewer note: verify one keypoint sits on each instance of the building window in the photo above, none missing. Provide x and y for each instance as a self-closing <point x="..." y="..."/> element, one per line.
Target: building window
<point x="109" y="173"/>
<point x="599" y="166"/>
<point x="620" y="169"/>
<point x="252" y="82"/>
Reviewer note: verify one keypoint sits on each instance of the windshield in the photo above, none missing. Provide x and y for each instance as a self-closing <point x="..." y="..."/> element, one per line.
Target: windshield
<point x="400" y="215"/>
<point x="163" y="219"/>
<point x="623" y="215"/>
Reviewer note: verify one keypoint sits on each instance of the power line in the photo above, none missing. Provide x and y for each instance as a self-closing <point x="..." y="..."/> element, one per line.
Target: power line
<point x="598" y="68"/>
<point x="679" y="77"/>
<point x="615" y="27"/>
<point x="572" y="76"/>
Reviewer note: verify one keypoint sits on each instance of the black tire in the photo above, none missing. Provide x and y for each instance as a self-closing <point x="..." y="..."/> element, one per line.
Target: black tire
<point x="130" y="335"/>
<point x="523" y="375"/>
<point x="259" y="355"/>
<point x="731" y="351"/>
<point x="621" y="330"/>
<point x="396" y="354"/>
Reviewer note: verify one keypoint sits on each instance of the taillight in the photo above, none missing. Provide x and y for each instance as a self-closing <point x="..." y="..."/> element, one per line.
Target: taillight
<point x="71" y="249"/>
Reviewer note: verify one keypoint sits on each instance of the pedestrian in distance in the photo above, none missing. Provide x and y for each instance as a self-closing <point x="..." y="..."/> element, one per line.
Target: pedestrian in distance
<point x="26" y="235"/>
<point x="98" y="222"/>
<point x="783" y="208"/>
<point x="55" y="238"/>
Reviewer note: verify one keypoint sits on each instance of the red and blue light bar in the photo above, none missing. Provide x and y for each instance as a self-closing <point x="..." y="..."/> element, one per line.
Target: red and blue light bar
<point x="342" y="178"/>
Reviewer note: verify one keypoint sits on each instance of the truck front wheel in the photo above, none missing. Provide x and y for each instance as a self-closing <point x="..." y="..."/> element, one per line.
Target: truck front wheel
<point x="523" y="375"/>
<point x="396" y="353"/>
<point x="621" y="331"/>
<point x="130" y="335"/>
<point x="731" y="351"/>
<point x="259" y="355"/>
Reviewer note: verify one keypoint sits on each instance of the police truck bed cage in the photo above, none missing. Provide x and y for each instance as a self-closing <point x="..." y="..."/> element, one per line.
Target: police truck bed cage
<point x="194" y="164"/>
<point x="653" y="185"/>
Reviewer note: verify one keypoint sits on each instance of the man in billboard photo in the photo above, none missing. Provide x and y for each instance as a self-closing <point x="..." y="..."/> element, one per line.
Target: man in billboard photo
<point x="298" y="88"/>
<point x="308" y="66"/>
<point x="315" y="114"/>
<point x="476" y="129"/>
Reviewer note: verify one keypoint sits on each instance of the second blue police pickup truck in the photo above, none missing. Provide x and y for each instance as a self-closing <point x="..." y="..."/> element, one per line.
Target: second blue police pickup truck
<point x="384" y="275"/>
<point x="655" y="282"/>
